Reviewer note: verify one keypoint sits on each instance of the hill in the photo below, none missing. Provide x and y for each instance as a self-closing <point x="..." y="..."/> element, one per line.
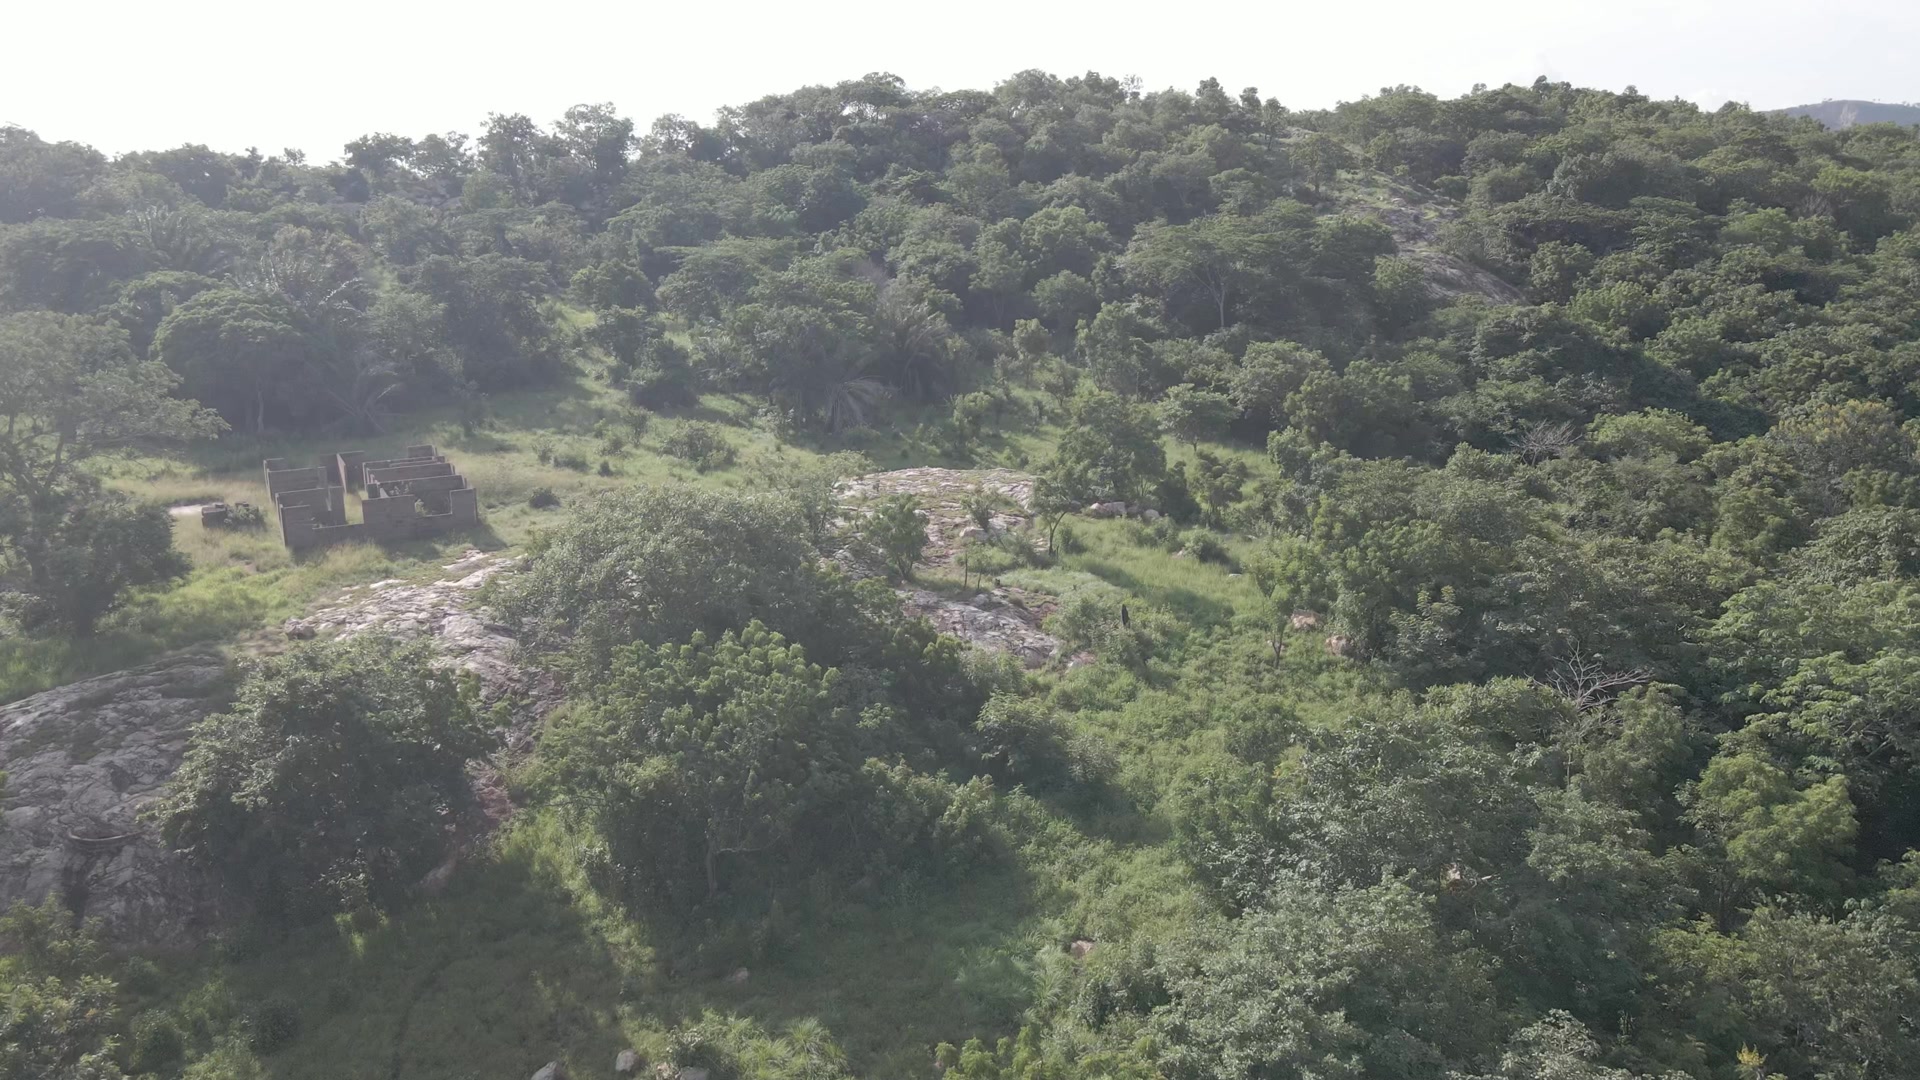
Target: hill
<point x="1449" y="574"/>
<point x="1841" y="114"/>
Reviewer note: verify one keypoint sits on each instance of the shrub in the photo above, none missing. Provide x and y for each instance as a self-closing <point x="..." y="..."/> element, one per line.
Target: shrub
<point x="709" y="767"/>
<point x="543" y="498"/>
<point x="1022" y="743"/>
<point x="158" y="1042"/>
<point x="543" y="449"/>
<point x="1207" y="547"/>
<point x="897" y="533"/>
<point x="570" y="460"/>
<point x="272" y="1025"/>
<point x="701" y="445"/>
<point x="329" y="784"/>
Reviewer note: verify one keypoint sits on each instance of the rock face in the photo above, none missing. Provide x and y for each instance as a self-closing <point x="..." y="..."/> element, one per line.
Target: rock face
<point x="942" y="494"/>
<point x="1001" y="619"/>
<point x="447" y="610"/>
<point x="82" y="762"/>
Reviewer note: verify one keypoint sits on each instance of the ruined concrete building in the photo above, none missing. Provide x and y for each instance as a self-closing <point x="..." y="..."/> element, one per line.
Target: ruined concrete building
<point x="415" y="495"/>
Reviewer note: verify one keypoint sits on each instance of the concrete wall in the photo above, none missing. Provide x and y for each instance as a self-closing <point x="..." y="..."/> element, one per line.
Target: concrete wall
<point x="279" y="480"/>
<point x="347" y="464"/>
<point x="424" y="484"/>
<point x="311" y="502"/>
<point x="388" y="474"/>
<point x="323" y="505"/>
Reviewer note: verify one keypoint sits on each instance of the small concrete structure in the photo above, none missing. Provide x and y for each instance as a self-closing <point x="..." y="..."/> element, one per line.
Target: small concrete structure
<point x="416" y="495"/>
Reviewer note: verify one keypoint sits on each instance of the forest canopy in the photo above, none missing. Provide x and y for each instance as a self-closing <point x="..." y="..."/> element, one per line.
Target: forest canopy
<point x="1566" y="442"/>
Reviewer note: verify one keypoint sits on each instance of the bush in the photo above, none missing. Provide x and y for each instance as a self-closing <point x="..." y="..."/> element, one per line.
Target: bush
<point x="717" y="767"/>
<point x="329" y="784"/>
<point x="1022" y="743"/>
<point x="543" y="498"/>
<point x="897" y="533"/>
<point x="272" y="1025"/>
<point x="571" y="460"/>
<point x="701" y="445"/>
<point x="158" y="1042"/>
<point x="1207" y="547"/>
<point x="543" y="449"/>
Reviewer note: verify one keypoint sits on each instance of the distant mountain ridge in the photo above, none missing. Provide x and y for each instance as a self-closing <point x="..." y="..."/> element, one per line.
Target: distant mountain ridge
<point x="1842" y="113"/>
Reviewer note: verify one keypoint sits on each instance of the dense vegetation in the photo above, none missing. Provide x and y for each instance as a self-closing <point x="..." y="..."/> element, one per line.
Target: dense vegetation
<point x="1535" y="695"/>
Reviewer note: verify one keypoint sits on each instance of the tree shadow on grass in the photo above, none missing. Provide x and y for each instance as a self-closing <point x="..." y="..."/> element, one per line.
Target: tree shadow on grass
<point x="891" y="975"/>
<point x="508" y="970"/>
<point x="1198" y="608"/>
<point x="495" y="978"/>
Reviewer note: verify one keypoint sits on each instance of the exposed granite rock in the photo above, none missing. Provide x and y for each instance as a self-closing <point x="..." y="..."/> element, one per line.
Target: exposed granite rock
<point x="1001" y="619"/>
<point x="942" y="494"/>
<point x="449" y="611"/>
<point x="82" y="762"/>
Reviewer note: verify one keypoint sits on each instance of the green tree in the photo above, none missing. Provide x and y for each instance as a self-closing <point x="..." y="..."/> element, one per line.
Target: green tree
<point x="1191" y="414"/>
<point x="1214" y="259"/>
<point x="1110" y="449"/>
<point x="74" y="394"/>
<point x="737" y="761"/>
<point x="1816" y="996"/>
<point x="332" y="781"/>
<point x="898" y="533"/>
<point x="1267" y="376"/>
<point x="1768" y="831"/>
<point x="1351" y="983"/>
<point x="84" y="560"/>
<point x="60" y="1010"/>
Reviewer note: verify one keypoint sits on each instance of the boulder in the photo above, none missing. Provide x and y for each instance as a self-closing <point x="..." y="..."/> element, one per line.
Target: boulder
<point x="739" y="977"/>
<point x="1149" y="514"/>
<point x="552" y="1070"/>
<point x="626" y="1063"/>
<point x="1339" y="645"/>
<point x="1304" y="620"/>
<point x="82" y="763"/>
<point x="988" y="623"/>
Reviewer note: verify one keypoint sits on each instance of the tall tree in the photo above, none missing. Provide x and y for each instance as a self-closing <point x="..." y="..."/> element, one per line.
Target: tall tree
<point x="74" y="392"/>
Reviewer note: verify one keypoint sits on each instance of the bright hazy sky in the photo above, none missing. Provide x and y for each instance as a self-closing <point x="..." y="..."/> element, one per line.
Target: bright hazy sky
<point x="144" y="75"/>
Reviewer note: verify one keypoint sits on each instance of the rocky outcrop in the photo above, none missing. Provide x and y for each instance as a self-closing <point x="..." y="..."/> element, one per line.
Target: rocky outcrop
<point x="942" y="494"/>
<point x="1000" y="619"/>
<point x="450" y="611"/>
<point x="82" y="762"/>
<point x="1418" y="220"/>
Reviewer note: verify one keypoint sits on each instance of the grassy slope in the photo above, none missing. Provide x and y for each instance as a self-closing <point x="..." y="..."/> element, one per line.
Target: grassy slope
<point x="519" y="962"/>
<point x="243" y="582"/>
